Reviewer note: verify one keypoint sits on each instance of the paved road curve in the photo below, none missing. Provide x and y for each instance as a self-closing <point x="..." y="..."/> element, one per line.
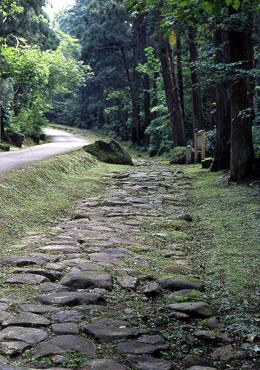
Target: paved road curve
<point x="60" y="142"/>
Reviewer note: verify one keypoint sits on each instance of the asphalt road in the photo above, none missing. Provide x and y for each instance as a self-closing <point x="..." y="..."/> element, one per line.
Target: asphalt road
<point x="59" y="142"/>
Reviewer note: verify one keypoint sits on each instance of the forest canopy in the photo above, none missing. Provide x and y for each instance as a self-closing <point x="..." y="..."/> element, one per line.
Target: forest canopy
<point x="147" y="72"/>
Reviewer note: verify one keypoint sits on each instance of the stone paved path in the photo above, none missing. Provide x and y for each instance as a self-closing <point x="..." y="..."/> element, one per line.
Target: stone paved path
<point x="107" y="289"/>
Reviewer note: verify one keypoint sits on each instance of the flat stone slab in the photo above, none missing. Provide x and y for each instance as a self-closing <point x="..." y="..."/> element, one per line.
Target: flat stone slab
<point x="109" y="334"/>
<point x="228" y="354"/>
<point x="35" y="308"/>
<point x="52" y="287"/>
<point x="144" y="362"/>
<point x="195" y="309"/>
<point x="4" y="315"/>
<point x="71" y="299"/>
<point x="10" y="367"/>
<point x="20" y="261"/>
<point x="50" y="275"/>
<point x="60" y="248"/>
<point x="128" y="282"/>
<point x="156" y="340"/>
<point x="26" y="319"/>
<point x="74" y="343"/>
<point x="67" y="316"/>
<point x="28" y="335"/>
<point x="105" y="257"/>
<point x="13" y="348"/>
<point x="137" y="348"/>
<point x="179" y="283"/>
<point x="46" y="349"/>
<point x="29" y="279"/>
<point x="185" y="295"/>
<point x="68" y="328"/>
<point x="102" y="364"/>
<point x="153" y="290"/>
<point x="201" y="368"/>
<point x="87" y="280"/>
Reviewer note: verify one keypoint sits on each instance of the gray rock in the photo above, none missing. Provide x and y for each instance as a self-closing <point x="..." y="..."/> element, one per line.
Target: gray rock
<point x="203" y="335"/>
<point x="128" y="282"/>
<point x="10" y="367"/>
<point x="185" y="295"/>
<point x="195" y="309"/>
<point x="137" y="348"/>
<point x="178" y="315"/>
<point x="144" y="362"/>
<point x="58" y="266"/>
<point x="67" y="316"/>
<point x="67" y="328"/>
<point x="109" y="334"/>
<point x="46" y="349"/>
<point x="4" y="315"/>
<point x="28" y="335"/>
<point x="153" y="290"/>
<point x="228" y="354"/>
<point x="19" y="261"/>
<point x="109" y="152"/>
<point x="60" y="248"/>
<point x="29" y="279"/>
<point x="87" y="280"/>
<point x="201" y="368"/>
<point x="156" y="340"/>
<point x="13" y="348"/>
<point x="26" y="319"/>
<point x="212" y="323"/>
<point x="39" y="309"/>
<point x="71" y="299"/>
<point x="179" y="283"/>
<point x="99" y="364"/>
<point x="52" y="287"/>
<point x="74" y="343"/>
<point x="50" y="275"/>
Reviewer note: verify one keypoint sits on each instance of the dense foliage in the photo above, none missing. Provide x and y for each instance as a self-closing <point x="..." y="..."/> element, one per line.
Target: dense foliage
<point x="40" y="70"/>
<point x="160" y="72"/>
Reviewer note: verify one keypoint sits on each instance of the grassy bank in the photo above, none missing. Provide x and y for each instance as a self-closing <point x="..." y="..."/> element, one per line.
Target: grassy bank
<point x="34" y="196"/>
<point x="225" y="245"/>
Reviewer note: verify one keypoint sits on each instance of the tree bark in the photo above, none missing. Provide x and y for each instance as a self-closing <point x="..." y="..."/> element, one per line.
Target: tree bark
<point x="179" y="73"/>
<point x="196" y="92"/>
<point x="176" y="124"/>
<point x="242" y="113"/>
<point x="222" y="107"/>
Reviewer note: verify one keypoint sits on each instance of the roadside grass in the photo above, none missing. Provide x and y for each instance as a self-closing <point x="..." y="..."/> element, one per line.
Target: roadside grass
<point x="40" y="194"/>
<point x="225" y="246"/>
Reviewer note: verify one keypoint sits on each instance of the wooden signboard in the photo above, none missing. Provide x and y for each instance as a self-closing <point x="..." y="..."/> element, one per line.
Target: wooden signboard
<point x="200" y="145"/>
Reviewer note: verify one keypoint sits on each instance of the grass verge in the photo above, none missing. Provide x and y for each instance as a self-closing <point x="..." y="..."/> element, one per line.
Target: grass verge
<point x="225" y="246"/>
<point x="37" y="195"/>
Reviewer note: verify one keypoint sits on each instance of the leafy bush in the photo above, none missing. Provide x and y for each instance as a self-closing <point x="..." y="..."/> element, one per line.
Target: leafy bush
<point x="28" y="123"/>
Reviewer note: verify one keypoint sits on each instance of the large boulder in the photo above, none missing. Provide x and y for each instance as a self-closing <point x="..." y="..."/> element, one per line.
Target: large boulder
<point x="179" y="155"/>
<point x="15" y="138"/>
<point x="109" y="152"/>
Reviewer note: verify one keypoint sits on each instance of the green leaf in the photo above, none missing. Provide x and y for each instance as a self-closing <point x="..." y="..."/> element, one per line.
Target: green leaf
<point x="198" y="14"/>
<point x="228" y="2"/>
<point x="236" y="4"/>
<point x="207" y="6"/>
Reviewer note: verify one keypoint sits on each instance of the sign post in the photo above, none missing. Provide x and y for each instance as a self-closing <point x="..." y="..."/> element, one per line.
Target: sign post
<point x="200" y="145"/>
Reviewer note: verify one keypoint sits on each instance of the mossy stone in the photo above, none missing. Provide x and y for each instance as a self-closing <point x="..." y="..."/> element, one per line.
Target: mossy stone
<point x="109" y="152"/>
<point x="185" y="295"/>
<point x="207" y="162"/>
<point x="179" y="155"/>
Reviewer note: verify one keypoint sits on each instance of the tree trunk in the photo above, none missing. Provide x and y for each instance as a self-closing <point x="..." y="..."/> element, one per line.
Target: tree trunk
<point x="178" y="110"/>
<point x="180" y="74"/>
<point x="222" y="107"/>
<point x="242" y="113"/>
<point x="176" y="125"/>
<point x="136" y="133"/>
<point x="196" y="93"/>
